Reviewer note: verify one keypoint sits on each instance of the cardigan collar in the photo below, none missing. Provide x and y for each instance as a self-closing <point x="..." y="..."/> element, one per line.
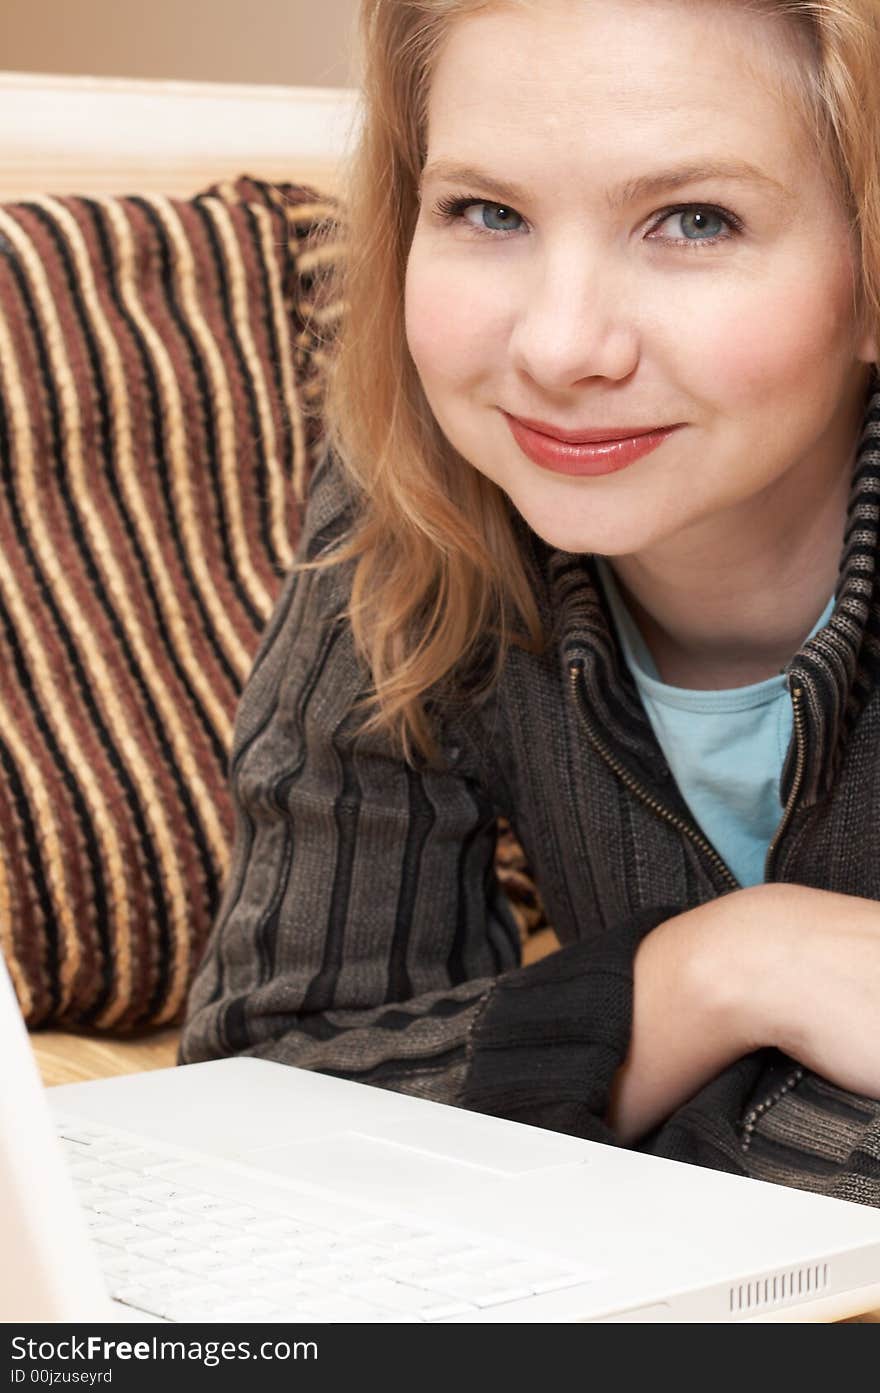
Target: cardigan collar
<point x="836" y="669"/>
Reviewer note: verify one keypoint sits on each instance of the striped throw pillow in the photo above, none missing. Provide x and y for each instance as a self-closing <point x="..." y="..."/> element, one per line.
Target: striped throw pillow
<point x="159" y="418"/>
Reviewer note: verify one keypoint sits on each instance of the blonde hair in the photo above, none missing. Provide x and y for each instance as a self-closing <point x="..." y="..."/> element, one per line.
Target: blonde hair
<point x="437" y="568"/>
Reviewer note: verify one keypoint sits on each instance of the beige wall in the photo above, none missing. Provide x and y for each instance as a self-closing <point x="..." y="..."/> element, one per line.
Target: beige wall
<point x="298" y="42"/>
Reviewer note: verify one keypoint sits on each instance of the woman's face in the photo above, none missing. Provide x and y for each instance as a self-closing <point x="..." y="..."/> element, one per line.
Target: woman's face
<point x="586" y="298"/>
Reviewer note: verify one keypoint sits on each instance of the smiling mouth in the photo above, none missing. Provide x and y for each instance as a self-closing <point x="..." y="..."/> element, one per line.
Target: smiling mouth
<point x="589" y="436"/>
<point x="603" y="454"/>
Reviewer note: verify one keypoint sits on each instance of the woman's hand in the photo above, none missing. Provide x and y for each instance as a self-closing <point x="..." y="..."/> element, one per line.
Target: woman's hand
<point x="773" y="964"/>
<point x="818" y="999"/>
<point x="694" y="979"/>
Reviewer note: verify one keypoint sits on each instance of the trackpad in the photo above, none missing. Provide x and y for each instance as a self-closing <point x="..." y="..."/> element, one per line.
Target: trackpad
<point x="364" y="1167"/>
<point x="415" y="1158"/>
<point x="505" y="1148"/>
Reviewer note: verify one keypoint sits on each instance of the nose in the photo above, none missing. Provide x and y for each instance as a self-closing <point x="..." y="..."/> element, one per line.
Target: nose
<point x="574" y="319"/>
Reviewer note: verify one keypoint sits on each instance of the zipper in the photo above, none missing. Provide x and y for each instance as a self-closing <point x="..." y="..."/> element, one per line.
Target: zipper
<point x="635" y="787"/>
<point x="797" y="1073"/>
<point x="796" y="694"/>
<point x="754" y="1115"/>
<point x="793" y="1078"/>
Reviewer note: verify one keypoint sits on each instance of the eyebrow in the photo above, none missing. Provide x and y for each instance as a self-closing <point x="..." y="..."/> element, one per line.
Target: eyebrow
<point x="643" y="187"/>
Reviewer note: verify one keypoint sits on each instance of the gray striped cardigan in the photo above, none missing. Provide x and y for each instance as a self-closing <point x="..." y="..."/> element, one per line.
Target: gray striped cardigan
<point x="362" y="930"/>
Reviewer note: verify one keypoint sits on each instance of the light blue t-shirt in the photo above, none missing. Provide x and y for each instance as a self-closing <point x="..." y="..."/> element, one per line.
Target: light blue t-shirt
<point x="726" y="749"/>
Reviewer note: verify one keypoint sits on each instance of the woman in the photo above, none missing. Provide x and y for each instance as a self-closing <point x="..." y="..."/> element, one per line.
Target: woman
<point x="593" y="548"/>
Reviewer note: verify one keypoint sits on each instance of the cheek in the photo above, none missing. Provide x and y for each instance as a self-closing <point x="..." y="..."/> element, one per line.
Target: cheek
<point x="454" y="324"/>
<point x="793" y="337"/>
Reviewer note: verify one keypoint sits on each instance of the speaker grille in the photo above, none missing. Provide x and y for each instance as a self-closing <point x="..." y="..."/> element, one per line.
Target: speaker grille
<point x="779" y="1288"/>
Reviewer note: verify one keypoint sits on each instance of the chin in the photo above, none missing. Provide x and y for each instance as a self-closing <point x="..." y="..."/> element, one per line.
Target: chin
<point x="593" y="526"/>
<point x="565" y="534"/>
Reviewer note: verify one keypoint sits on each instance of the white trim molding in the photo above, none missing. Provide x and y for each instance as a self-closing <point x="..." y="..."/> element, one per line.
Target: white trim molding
<point x="117" y="135"/>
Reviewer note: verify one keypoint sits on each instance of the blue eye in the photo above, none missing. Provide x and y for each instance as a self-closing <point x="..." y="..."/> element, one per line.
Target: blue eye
<point x="453" y="210"/>
<point x="698" y="220"/>
<point x="504" y="215"/>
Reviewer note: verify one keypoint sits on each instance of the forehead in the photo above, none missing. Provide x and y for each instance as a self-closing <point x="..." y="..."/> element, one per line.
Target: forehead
<point x="621" y="79"/>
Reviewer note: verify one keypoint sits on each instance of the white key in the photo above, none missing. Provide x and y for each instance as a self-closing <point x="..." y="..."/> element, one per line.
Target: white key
<point x="474" y="1260"/>
<point x="325" y="1274"/>
<point x="213" y="1206"/>
<point x="99" y="1224"/>
<point x="515" y="1275"/>
<point x="242" y="1187"/>
<point x="290" y="1261"/>
<point x="439" y="1307"/>
<point x="420" y="1301"/>
<point x="286" y="1291"/>
<point x="122" y="1207"/>
<point x="244" y="1246"/>
<point x="370" y="1255"/>
<point x="467" y="1286"/>
<point x="386" y="1231"/>
<point x="342" y="1307"/>
<point x="118" y="1179"/>
<point x="241" y="1215"/>
<point x="128" y="1265"/>
<point x="120" y="1236"/>
<point x="498" y="1295"/>
<point x="156" y="1277"/>
<point x="320" y="1240"/>
<point x="164" y="1220"/>
<point x="381" y="1291"/>
<point x="243" y="1277"/>
<point x="153" y="1189"/>
<point x="433" y="1245"/>
<point x="252" y="1308"/>
<point x="201" y="1261"/>
<point x="201" y="1233"/>
<point x="273" y="1226"/>
<point x="534" y="1278"/>
<point x="94" y="1196"/>
<point x="558" y="1281"/>
<point x="181" y="1304"/>
<point x="405" y="1269"/>
<point x="195" y="1202"/>
<point x="165" y="1246"/>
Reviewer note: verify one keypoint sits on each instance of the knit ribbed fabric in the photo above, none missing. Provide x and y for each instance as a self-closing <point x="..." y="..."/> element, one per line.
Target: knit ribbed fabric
<point x="155" y="373"/>
<point x="549" y="1037"/>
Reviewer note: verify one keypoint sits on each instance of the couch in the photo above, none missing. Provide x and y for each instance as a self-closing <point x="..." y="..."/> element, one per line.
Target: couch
<point x="110" y="871"/>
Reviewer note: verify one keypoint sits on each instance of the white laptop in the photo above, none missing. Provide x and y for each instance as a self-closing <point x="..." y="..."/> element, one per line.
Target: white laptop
<point x="241" y="1190"/>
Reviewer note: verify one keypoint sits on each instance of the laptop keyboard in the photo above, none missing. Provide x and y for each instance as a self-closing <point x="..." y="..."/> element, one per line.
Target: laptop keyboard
<point x="215" y="1247"/>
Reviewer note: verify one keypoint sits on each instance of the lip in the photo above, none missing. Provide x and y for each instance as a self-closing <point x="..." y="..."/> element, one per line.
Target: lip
<point x="589" y="453"/>
<point x="586" y="437"/>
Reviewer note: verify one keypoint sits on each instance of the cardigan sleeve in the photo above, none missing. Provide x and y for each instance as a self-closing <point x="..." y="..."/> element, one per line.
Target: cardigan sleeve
<point x="362" y="930"/>
<point x="549" y="1038"/>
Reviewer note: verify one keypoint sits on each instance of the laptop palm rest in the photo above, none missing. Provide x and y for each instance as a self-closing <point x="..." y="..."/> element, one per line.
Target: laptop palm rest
<point x="413" y="1159"/>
